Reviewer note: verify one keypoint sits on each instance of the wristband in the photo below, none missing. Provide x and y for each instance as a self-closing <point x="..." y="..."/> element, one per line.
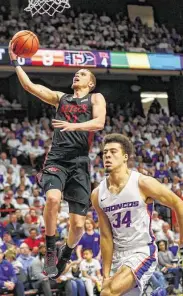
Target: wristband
<point x="15" y="63"/>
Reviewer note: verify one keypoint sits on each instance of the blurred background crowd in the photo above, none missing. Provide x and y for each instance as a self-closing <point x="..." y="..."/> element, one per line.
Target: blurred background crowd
<point x="158" y="143"/>
<point x="92" y="30"/>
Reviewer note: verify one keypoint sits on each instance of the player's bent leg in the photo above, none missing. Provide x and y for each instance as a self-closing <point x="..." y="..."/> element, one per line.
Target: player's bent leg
<point x="77" y="220"/>
<point x="53" y="199"/>
<point x="76" y="230"/>
<point x="120" y="283"/>
<point x="77" y="215"/>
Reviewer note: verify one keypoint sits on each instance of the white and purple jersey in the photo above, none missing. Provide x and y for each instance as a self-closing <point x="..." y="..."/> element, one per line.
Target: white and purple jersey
<point x="129" y="215"/>
<point x="130" y="219"/>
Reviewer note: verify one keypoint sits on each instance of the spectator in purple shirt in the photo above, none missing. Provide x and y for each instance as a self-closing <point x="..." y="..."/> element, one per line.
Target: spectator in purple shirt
<point x="138" y="142"/>
<point x="8" y="278"/>
<point x="32" y="177"/>
<point x="161" y="173"/>
<point x="7" y="242"/>
<point x="90" y="240"/>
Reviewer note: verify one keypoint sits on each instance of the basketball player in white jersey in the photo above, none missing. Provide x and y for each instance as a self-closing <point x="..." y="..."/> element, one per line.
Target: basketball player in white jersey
<point x="124" y="203"/>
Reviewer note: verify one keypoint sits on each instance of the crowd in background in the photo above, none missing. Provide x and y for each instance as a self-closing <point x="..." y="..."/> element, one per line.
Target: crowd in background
<point x="84" y="30"/>
<point x="158" y="152"/>
<point x="4" y="103"/>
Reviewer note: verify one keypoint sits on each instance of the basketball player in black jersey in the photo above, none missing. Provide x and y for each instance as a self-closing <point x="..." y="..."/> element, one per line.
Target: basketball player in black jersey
<point x="66" y="168"/>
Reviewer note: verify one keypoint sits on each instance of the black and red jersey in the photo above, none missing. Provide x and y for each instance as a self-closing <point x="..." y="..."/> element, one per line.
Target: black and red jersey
<point x="75" y="110"/>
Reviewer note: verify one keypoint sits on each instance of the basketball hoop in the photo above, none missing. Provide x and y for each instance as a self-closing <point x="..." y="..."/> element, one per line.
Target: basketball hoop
<point x="47" y="6"/>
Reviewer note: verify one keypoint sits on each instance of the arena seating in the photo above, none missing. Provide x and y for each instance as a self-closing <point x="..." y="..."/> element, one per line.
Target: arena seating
<point x="74" y="30"/>
<point x="158" y="141"/>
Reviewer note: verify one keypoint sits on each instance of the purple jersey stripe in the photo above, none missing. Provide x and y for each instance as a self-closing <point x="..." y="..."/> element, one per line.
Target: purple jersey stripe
<point x="146" y="264"/>
<point x="150" y="210"/>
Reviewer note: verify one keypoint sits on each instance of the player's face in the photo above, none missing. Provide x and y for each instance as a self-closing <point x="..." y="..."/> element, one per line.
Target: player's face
<point x="82" y="79"/>
<point x="113" y="157"/>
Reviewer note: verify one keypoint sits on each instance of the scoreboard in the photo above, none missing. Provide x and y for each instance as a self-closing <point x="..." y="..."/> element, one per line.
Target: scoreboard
<point x="68" y="58"/>
<point x="98" y="59"/>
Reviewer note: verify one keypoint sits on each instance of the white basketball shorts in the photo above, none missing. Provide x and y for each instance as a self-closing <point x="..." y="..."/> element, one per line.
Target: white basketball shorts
<point x="142" y="261"/>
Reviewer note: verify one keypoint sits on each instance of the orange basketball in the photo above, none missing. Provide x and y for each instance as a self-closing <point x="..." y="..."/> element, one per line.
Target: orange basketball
<point x="25" y="44"/>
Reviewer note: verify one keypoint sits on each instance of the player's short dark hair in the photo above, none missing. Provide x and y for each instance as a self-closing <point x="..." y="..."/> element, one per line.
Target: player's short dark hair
<point x="125" y="143"/>
<point x="93" y="79"/>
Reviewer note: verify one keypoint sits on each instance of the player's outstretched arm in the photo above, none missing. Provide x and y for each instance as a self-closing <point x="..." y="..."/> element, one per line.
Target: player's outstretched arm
<point x="40" y="91"/>
<point x="97" y="123"/>
<point x="152" y="188"/>
<point x="106" y="240"/>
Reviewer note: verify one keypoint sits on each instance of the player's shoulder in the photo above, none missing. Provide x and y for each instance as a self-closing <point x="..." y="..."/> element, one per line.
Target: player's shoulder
<point x="94" y="196"/>
<point x="95" y="192"/>
<point x="95" y="199"/>
<point x="97" y="96"/>
<point x="147" y="183"/>
<point x="60" y="95"/>
<point x="144" y="180"/>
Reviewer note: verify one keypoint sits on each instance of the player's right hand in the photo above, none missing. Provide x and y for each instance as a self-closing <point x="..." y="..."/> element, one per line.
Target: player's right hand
<point x="12" y="55"/>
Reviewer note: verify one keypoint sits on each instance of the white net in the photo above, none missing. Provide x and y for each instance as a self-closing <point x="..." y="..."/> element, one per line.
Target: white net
<point x="47" y="6"/>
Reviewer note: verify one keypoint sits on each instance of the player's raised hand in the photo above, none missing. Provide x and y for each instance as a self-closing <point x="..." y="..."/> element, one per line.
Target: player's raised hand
<point x="12" y="55"/>
<point x="64" y="125"/>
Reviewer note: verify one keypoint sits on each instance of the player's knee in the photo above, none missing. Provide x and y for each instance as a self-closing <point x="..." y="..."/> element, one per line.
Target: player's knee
<point x="52" y="200"/>
<point x="105" y="292"/>
<point x="108" y="291"/>
<point x="78" y="226"/>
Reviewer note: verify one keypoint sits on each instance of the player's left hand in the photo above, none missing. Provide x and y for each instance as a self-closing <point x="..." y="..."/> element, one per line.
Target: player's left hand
<point x="64" y="125"/>
<point x="11" y="53"/>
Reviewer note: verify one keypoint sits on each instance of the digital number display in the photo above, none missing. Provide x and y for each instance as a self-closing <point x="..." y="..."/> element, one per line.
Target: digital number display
<point x="97" y="59"/>
<point x="68" y="58"/>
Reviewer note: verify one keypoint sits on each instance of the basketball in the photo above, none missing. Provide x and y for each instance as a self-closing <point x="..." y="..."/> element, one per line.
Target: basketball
<point x="25" y="44"/>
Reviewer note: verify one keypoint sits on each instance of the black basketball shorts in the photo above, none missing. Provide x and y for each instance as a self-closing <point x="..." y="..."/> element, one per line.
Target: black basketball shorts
<point x="72" y="178"/>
